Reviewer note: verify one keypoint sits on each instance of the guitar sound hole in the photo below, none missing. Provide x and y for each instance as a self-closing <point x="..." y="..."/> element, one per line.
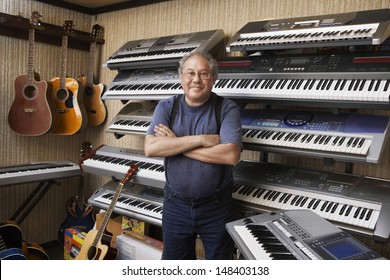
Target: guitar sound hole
<point x="91" y="253"/>
<point x="62" y="94"/>
<point x="30" y="92"/>
<point x="88" y="91"/>
<point x="69" y="101"/>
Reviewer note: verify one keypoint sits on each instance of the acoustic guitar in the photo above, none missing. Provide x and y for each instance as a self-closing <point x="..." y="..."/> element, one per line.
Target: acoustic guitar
<point x="32" y="112"/>
<point x="79" y="214"/>
<point x="11" y="241"/>
<point x="34" y="251"/>
<point x="92" y="248"/>
<point x="95" y="108"/>
<point x="65" y="94"/>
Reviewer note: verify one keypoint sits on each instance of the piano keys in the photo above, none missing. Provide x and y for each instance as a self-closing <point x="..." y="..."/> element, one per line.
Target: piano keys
<point x="343" y="199"/>
<point x="163" y="51"/>
<point x="146" y="84"/>
<point x="347" y="80"/>
<point x="344" y="29"/>
<point x="348" y="137"/>
<point x="38" y="171"/>
<point x="295" y="234"/>
<point x="134" y="119"/>
<point x="140" y="202"/>
<point x="114" y="162"/>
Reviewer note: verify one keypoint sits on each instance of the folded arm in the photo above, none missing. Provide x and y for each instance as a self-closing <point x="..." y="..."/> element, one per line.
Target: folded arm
<point x="205" y="147"/>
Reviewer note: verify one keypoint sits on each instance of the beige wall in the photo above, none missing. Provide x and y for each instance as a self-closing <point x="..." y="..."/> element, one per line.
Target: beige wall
<point x="167" y="18"/>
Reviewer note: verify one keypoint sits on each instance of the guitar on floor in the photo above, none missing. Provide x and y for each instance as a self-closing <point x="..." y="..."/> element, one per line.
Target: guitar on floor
<point x="34" y="251"/>
<point x="11" y="241"/>
<point x="92" y="248"/>
<point x="66" y="96"/>
<point x="32" y="112"/>
<point x="79" y="213"/>
<point x="92" y="93"/>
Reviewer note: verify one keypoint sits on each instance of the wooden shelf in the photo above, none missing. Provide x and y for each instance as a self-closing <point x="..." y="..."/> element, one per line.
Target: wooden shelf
<point x="17" y="27"/>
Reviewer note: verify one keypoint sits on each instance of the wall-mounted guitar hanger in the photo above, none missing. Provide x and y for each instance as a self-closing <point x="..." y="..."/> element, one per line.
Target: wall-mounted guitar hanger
<point x="17" y="27"/>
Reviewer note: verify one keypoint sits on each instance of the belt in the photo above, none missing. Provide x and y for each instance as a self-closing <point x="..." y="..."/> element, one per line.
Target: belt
<point x="194" y="201"/>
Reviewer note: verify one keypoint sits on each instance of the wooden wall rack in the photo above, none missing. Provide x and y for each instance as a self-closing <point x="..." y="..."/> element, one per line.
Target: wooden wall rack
<point x="17" y="27"/>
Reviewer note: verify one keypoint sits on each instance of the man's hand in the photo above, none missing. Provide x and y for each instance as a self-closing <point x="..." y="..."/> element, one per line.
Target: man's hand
<point x="163" y="130"/>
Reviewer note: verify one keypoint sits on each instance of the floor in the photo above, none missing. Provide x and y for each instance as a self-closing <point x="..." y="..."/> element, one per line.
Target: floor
<point x="54" y="250"/>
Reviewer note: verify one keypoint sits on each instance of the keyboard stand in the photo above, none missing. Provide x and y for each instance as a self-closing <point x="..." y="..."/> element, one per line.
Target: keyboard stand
<point x="32" y="200"/>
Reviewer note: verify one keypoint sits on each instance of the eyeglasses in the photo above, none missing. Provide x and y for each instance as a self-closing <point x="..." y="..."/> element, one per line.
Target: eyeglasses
<point x="192" y="74"/>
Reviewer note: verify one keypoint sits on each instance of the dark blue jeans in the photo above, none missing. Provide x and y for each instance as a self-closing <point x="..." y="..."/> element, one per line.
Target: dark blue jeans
<point x="183" y="221"/>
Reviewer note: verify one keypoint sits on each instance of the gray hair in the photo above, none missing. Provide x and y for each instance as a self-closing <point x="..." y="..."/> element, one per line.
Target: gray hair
<point x="212" y="61"/>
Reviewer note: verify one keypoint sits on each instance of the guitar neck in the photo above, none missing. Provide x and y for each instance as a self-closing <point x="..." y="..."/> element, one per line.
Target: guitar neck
<point x="30" y="62"/>
<point x="64" y="59"/>
<point x="107" y="215"/>
<point x="91" y="63"/>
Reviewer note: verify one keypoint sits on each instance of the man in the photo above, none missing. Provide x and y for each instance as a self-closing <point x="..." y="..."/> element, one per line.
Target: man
<point x="198" y="162"/>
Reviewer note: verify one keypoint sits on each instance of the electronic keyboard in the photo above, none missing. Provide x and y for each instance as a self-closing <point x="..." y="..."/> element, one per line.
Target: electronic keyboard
<point x="355" y="203"/>
<point x="163" y="51"/>
<point x="295" y="234"/>
<point x="136" y="201"/>
<point x="134" y="119"/>
<point x="341" y="80"/>
<point x="38" y="171"/>
<point x="144" y="84"/>
<point x="114" y="162"/>
<point x="348" y="137"/>
<point x="345" y="29"/>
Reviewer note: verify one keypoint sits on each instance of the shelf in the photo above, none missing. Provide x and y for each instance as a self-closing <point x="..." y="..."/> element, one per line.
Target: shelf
<point x="17" y="27"/>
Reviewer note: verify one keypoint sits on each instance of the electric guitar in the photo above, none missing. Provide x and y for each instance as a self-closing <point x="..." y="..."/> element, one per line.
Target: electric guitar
<point x="79" y="214"/>
<point x="92" y="248"/>
<point x="11" y="241"/>
<point x="94" y="106"/>
<point x="65" y="93"/>
<point x="32" y="112"/>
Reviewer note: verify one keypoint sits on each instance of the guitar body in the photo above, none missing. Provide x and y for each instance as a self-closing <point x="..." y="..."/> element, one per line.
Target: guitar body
<point x="10" y="235"/>
<point x="66" y="101"/>
<point x="81" y="218"/>
<point x="11" y="241"/>
<point x="94" y="106"/>
<point x="34" y="251"/>
<point x="90" y="252"/>
<point x="32" y="112"/>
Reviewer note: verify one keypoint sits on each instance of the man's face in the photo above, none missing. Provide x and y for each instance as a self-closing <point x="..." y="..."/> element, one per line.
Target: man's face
<point x="197" y="80"/>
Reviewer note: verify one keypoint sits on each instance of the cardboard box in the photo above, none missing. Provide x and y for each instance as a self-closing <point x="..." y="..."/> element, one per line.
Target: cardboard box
<point x="73" y="240"/>
<point x="138" y="247"/>
<point x="135" y="225"/>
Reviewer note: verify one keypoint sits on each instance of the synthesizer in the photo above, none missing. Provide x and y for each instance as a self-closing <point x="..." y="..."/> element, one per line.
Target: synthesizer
<point x="295" y="235"/>
<point x="355" y="203"/>
<point x="134" y="119"/>
<point x="140" y="202"/>
<point x="348" y="137"/>
<point x="38" y="171"/>
<point x="163" y="51"/>
<point x="144" y="84"/>
<point x="114" y="162"/>
<point x="341" y="80"/>
<point x="370" y="27"/>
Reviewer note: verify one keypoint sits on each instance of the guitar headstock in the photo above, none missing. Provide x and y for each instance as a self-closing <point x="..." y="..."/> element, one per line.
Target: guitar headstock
<point x="68" y="28"/>
<point x="86" y="149"/>
<point x="97" y="32"/>
<point x="35" y="19"/>
<point x="129" y="174"/>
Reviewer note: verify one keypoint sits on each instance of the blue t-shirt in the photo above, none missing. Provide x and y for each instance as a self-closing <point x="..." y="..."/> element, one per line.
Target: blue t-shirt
<point x="189" y="178"/>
